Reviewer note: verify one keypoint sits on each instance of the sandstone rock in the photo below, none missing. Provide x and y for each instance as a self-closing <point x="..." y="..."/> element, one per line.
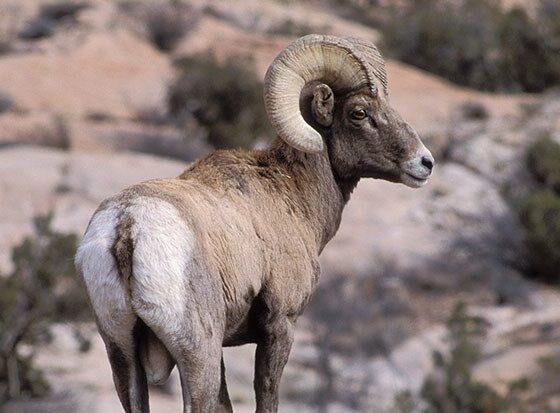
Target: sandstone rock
<point x="116" y="136"/>
<point x="444" y="233"/>
<point x="38" y="180"/>
<point x="271" y="17"/>
<point x="36" y="128"/>
<point x="112" y="72"/>
<point x="427" y="101"/>
<point x="209" y="35"/>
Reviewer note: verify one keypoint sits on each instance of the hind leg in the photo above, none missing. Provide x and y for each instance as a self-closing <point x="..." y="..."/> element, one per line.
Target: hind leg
<point x="193" y="339"/>
<point x="201" y="380"/>
<point x="199" y="364"/>
<point x="196" y="346"/>
<point x="122" y="332"/>
<point x="179" y="300"/>
<point x="128" y="374"/>
<point x="118" y="325"/>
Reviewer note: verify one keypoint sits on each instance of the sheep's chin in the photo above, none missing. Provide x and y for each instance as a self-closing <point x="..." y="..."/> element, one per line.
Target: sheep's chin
<point x="412" y="181"/>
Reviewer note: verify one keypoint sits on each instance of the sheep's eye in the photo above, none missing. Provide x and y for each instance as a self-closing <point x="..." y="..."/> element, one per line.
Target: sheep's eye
<point x="358" y="114"/>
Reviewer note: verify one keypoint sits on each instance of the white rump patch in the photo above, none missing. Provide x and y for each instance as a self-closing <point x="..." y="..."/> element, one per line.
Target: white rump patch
<point x="163" y="255"/>
<point x="163" y="251"/>
<point x="106" y="291"/>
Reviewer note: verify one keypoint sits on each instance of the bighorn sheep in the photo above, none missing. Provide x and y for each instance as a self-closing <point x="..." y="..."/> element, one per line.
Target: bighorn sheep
<point x="227" y="253"/>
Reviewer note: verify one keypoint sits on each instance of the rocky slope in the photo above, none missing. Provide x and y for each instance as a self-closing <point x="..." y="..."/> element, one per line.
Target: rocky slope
<point x="84" y="92"/>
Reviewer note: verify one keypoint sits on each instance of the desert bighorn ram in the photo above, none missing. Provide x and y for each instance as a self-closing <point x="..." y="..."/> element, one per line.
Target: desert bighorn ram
<point x="226" y="253"/>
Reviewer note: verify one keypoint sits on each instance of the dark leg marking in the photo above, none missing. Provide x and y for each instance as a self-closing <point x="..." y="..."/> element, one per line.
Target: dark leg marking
<point x="121" y="373"/>
<point x="127" y="370"/>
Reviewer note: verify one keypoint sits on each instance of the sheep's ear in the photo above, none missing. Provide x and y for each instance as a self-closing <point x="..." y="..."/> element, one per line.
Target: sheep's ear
<point x="322" y="105"/>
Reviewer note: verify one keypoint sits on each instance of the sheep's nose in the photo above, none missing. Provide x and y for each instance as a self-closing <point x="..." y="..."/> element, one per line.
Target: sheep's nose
<point x="428" y="162"/>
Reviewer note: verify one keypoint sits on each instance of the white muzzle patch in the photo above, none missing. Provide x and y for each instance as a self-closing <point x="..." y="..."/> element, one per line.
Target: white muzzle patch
<point x="416" y="171"/>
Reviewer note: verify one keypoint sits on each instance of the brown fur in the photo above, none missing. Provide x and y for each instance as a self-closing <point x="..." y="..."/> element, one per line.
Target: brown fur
<point x="260" y="220"/>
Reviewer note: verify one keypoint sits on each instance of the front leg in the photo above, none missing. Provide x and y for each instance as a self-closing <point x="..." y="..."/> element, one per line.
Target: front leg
<point x="271" y="356"/>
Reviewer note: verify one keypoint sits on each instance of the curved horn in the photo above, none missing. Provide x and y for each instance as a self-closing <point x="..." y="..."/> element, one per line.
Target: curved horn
<point x="343" y="64"/>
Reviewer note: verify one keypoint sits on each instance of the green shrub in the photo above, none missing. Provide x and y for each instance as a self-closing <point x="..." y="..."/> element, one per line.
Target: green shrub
<point x="452" y="40"/>
<point x="291" y="27"/>
<point x="475" y="43"/>
<point x="225" y="98"/>
<point x="37" y="29"/>
<point x="41" y="289"/>
<point x="64" y="9"/>
<point x="543" y="161"/>
<point x="451" y="387"/>
<point x="549" y="17"/>
<point x="540" y="213"/>
<point x="474" y="111"/>
<point x="61" y="139"/>
<point x="366" y="12"/>
<point x="6" y="102"/>
<point x="528" y="61"/>
<point x="8" y="29"/>
<point x="540" y="216"/>
<point x="164" y="23"/>
<point x="50" y="15"/>
<point x="545" y="386"/>
<point x="404" y="402"/>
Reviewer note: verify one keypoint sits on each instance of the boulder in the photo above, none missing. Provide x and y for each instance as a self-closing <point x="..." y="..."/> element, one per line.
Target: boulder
<point x="113" y="72"/>
<point x="37" y="180"/>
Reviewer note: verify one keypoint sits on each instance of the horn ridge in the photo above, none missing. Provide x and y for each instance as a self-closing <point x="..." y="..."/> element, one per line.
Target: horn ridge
<point x="342" y="63"/>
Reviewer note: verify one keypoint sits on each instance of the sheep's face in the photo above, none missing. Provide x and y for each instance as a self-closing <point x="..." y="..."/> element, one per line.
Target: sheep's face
<point x="366" y="138"/>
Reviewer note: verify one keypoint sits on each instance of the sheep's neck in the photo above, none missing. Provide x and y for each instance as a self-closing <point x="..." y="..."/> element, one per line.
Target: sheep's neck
<point x="320" y="193"/>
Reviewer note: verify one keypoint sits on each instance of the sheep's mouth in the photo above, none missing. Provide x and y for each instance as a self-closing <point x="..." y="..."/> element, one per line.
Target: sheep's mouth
<point x="413" y="181"/>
